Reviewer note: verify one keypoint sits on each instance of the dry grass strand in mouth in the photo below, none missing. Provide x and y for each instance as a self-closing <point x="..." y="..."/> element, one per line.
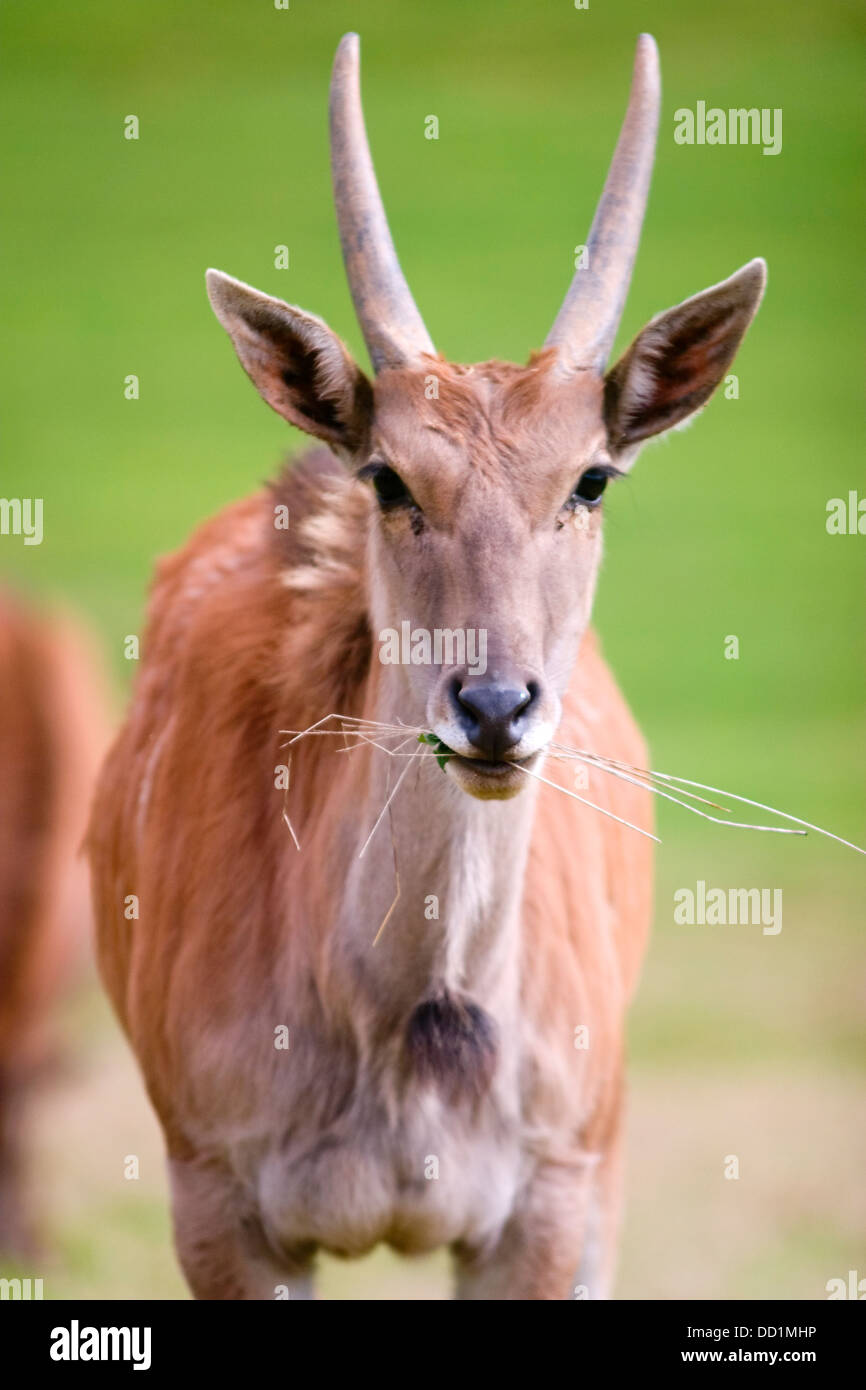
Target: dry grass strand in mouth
<point x="682" y="791"/>
<point x="378" y="821"/>
<point x="591" y="804"/>
<point x="387" y="917"/>
<point x="650" y="780"/>
<point x="285" y="803"/>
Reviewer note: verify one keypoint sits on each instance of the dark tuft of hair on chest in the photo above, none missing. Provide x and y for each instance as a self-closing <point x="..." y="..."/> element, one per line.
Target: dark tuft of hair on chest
<point x="451" y="1043"/>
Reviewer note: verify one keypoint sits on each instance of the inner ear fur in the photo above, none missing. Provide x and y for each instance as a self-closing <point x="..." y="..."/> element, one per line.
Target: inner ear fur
<point x="297" y="364"/>
<point x="676" y="362"/>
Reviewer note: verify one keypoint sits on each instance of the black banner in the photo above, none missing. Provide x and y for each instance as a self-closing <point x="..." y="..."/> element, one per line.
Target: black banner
<point x="65" y="1339"/>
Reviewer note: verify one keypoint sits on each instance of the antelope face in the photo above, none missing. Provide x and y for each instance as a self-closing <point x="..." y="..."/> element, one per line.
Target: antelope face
<point x="486" y="485"/>
<point x="486" y="482"/>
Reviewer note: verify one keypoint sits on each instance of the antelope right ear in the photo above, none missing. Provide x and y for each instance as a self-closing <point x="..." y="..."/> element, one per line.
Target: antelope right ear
<point x="295" y="362"/>
<point x="675" y="364"/>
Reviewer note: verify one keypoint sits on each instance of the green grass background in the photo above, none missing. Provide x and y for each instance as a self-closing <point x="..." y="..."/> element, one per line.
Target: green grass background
<point x="741" y="1043"/>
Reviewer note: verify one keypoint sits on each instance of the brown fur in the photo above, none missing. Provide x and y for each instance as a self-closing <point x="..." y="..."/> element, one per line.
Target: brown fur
<point x="432" y="1092"/>
<point x="251" y="631"/>
<point x="53" y="726"/>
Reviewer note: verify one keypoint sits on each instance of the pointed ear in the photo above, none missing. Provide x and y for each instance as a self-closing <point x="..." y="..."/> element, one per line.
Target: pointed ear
<point x="675" y="364"/>
<point x="295" y="362"/>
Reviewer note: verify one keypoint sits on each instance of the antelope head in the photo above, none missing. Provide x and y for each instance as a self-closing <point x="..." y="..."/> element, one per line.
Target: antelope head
<point x="485" y="482"/>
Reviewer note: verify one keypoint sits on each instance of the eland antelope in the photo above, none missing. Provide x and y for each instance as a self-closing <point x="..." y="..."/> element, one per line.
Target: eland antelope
<point x="459" y="1082"/>
<point x="54" y="726"/>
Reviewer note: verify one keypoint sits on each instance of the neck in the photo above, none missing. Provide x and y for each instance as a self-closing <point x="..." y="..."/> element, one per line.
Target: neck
<point x="444" y="869"/>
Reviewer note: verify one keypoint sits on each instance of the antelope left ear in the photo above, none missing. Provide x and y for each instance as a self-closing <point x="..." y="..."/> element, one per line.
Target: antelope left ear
<point x="675" y="364"/>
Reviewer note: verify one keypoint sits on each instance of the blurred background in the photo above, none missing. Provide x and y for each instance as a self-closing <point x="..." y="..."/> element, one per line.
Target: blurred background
<point x="741" y="1043"/>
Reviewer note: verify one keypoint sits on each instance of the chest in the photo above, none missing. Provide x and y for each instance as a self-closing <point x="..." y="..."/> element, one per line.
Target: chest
<point x="416" y="1174"/>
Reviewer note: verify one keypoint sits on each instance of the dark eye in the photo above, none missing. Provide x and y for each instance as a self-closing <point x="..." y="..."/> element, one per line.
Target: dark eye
<point x="591" y="486"/>
<point x="388" y="486"/>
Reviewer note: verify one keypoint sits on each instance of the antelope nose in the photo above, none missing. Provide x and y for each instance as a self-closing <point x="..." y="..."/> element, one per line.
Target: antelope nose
<point x="493" y="714"/>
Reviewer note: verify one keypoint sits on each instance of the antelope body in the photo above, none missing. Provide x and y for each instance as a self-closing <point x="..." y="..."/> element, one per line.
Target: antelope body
<point x="53" y="733"/>
<point x="459" y="1083"/>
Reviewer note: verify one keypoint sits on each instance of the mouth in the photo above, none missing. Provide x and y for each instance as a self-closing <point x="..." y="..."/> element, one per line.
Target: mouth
<point x="488" y="780"/>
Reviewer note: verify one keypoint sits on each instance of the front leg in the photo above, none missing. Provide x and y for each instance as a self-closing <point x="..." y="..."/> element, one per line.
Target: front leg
<point x="541" y="1245"/>
<point x="16" y="1232"/>
<point x="595" y="1273"/>
<point x="220" y="1242"/>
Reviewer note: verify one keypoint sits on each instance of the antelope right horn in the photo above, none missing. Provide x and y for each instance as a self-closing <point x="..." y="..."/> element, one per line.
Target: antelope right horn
<point x="586" y="325"/>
